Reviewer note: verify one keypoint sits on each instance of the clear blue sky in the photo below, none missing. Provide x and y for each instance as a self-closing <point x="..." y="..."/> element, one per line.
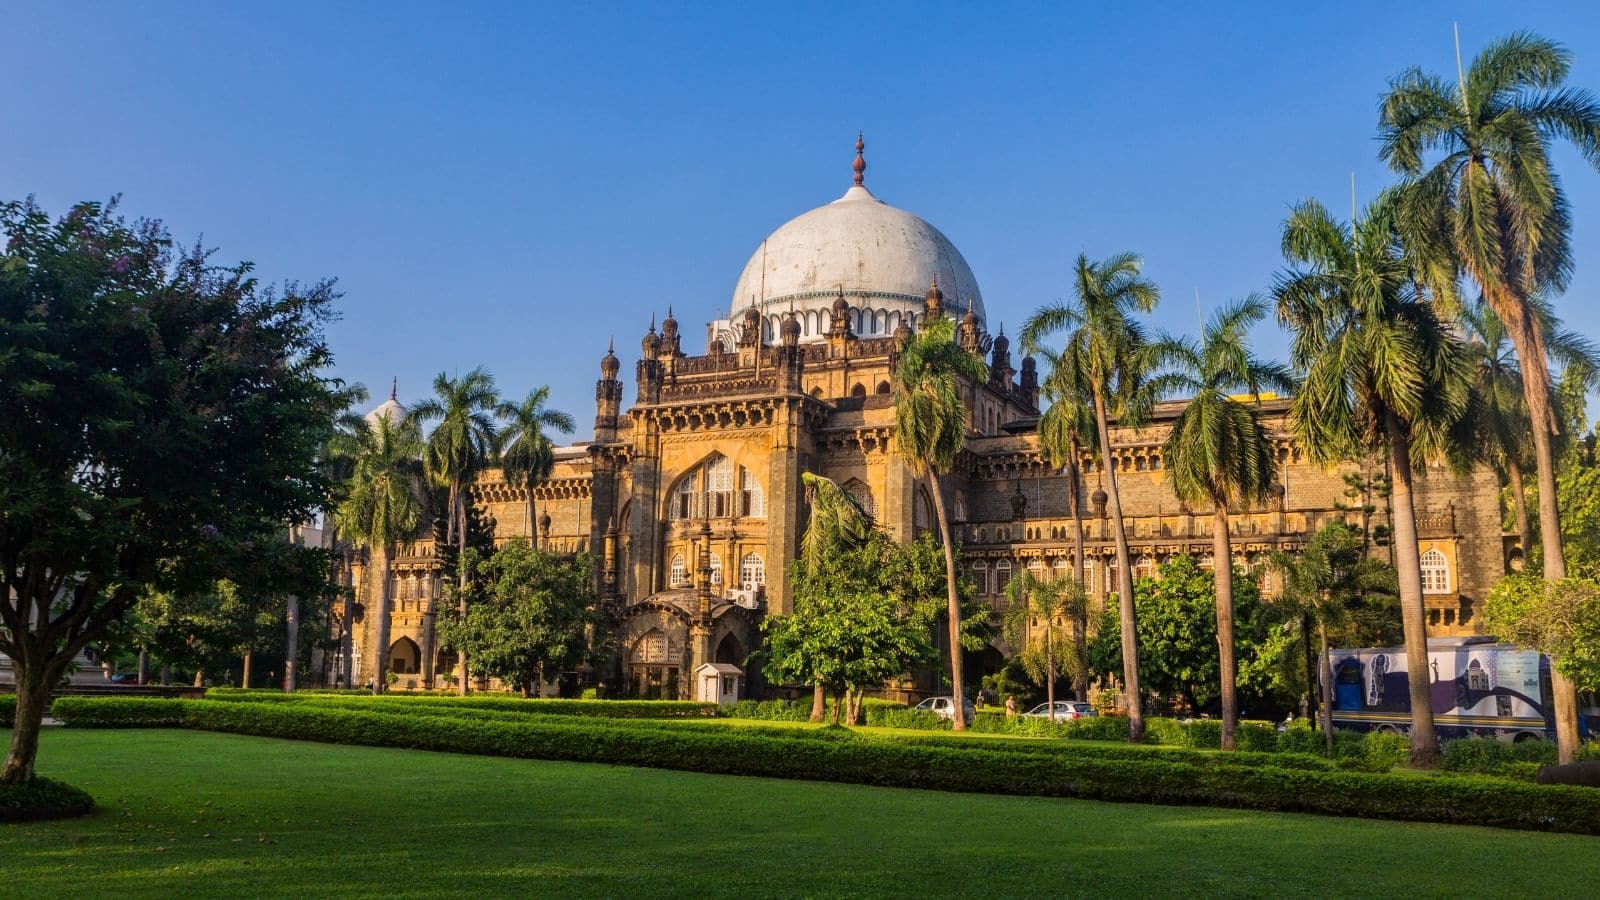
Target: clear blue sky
<point x="509" y="185"/>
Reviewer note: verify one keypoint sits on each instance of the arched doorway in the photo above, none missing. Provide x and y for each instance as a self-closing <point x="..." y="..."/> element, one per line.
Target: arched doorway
<point x="730" y="651"/>
<point x="404" y="657"/>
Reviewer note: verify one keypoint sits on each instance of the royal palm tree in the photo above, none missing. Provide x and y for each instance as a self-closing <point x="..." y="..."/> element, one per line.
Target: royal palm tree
<point x="1066" y="433"/>
<point x="1110" y="345"/>
<point x="460" y="445"/>
<point x="1038" y="605"/>
<point x="383" y="506"/>
<point x="1507" y="429"/>
<point x="1493" y="203"/>
<point x="528" y="457"/>
<point x="930" y="424"/>
<point x="338" y="460"/>
<point x="1219" y="450"/>
<point x="1334" y="585"/>
<point x="1380" y="369"/>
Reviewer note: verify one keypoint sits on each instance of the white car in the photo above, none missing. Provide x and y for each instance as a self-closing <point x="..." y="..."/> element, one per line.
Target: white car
<point x="1064" y="711"/>
<point x="944" y="707"/>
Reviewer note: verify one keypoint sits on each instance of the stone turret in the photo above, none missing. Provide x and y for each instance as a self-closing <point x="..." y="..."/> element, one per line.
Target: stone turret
<point x="671" y="341"/>
<point x="649" y="371"/>
<point x="1030" y="381"/>
<point x="607" y="397"/>
<point x="1000" y="371"/>
<point x="970" y="334"/>
<point x="839" y="319"/>
<point x="933" y="301"/>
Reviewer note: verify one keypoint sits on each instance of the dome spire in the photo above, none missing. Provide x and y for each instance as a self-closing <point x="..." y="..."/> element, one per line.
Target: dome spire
<point x="860" y="164"/>
<point x="394" y="388"/>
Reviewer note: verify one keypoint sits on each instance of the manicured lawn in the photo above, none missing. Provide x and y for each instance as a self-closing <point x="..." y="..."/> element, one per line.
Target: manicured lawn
<point x="204" y="814"/>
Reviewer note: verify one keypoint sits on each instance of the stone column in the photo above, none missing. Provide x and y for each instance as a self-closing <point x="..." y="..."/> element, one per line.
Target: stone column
<point x="785" y="497"/>
<point x="645" y="526"/>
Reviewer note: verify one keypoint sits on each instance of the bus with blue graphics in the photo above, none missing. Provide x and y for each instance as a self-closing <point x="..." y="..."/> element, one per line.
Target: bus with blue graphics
<point x="1479" y="688"/>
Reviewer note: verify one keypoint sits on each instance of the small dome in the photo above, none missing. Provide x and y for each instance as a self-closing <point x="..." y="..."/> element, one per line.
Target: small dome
<point x="390" y="408"/>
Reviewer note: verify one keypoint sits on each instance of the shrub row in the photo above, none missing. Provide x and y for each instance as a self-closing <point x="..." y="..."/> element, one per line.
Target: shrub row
<point x="119" y="712"/>
<point x="42" y="799"/>
<point x="619" y="709"/>
<point x="974" y="768"/>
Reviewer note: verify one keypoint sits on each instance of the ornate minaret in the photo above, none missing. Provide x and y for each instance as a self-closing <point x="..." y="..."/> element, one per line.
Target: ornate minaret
<point x="671" y="341"/>
<point x="933" y="302"/>
<point x="650" y="366"/>
<point x="607" y="397"/>
<point x="1030" y="381"/>
<point x="969" y="335"/>
<point x="1000" y="371"/>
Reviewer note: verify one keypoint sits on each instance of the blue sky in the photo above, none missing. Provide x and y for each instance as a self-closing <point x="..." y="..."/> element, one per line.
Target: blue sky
<point x="509" y="185"/>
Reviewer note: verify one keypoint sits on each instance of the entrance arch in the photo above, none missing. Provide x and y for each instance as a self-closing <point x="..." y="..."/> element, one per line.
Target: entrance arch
<point x="404" y="657"/>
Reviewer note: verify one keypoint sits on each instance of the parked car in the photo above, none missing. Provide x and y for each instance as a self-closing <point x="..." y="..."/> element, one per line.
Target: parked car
<point x="1064" y="711"/>
<point x="125" y="678"/>
<point x="944" y="707"/>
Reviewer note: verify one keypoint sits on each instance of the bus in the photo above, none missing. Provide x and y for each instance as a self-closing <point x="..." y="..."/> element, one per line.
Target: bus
<point x="1479" y="688"/>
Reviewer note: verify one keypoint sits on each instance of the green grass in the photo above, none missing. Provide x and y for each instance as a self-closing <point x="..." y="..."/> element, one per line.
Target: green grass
<point x="206" y="814"/>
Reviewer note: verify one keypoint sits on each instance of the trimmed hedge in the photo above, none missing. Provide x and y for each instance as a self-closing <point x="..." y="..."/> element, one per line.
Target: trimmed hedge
<point x="847" y="757"/>
<point x="44" y="798"/>
<point x="119" y="712"/>
<point x="616" y="709"/>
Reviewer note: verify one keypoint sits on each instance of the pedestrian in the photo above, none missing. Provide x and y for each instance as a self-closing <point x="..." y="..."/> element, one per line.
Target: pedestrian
<point x="1011" y="706"/>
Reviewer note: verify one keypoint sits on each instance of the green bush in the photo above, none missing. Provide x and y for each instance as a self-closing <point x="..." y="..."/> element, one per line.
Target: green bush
<point x="1161" y="776"/>
<point x="8" y="710"/>
<point x="118" y="712"/>
<point x="620" y="709"/>
<point x="1258" y="737"/>
<point x="1488" y="756"/>
<point x="1385" y="750"/>
<point x="771" y="710"/>
<point x="1098" y="728"/>
<point x="903" y="717"/>
<point x="1300" y="737"/>
<point x="42" y="799"/>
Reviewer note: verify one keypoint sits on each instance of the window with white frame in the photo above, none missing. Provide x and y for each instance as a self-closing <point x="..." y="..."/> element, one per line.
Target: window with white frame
<point x="1061" y="568"/>
<point x="679" y="573"/>
<point x="1036" y="568"/>
<point x="1002" y="575"/>
<point x="719" y="487"/>
<point x="1144" y="568"/>
<point x="682" y="505"/>
<point x="752" y="572"/>
<point x="980" y="576"/>
<point x="716" y="570"/>
<point x="1435" y="572"/>
<point x="752" y="499"/>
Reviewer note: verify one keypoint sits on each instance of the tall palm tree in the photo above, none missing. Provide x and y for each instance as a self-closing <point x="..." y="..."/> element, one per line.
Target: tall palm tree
<point x="1066" y="433"/>
<point x="1493" y="202"/>
<point x="1219" y="450"/>
<point x="1380" y="369"/>
<point x="527" y="456"/>
<point x="460" y="445"/>
<point x="1503" y="416"/>
<point x="1334" y="584"/>
<point x="1032" y="623"/>
<point x="338" y="459"/>
<point x="930" y="426"/>
<point x="382" y="507"/>
<point x="1111" y="347"/>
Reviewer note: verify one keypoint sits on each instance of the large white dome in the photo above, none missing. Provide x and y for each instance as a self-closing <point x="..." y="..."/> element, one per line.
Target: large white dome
<point x="882" y="258"/>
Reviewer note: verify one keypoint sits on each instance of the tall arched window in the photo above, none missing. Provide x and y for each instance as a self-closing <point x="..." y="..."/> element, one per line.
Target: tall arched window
<point x="1144" y="568"/>
<point x="1002" y="575"/>
<point x="1112" y="576"/>
<point x="716" y="570"/>
<point x="1036" y="568"/>
<point x="1088" y="577"/>
<point x="1435" y="572"/>
<point x="682" y="505"/>
<point x="752" y="572"/>
<point x="678" y="575"/>
<point x="752" y="499"/>
<point x="980" y="576"/>
<point x="863" y="496"/>
<point x="719" y="487"/>
<point x="1061" y="568"/>
<point x="922" y="516"/>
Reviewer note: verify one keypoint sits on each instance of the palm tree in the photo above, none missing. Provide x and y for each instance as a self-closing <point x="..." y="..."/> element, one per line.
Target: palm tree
<point x="837" y="523"/>
<point x="930" y="424"/>
<point x="1219" y="451"/>
<point x="1115" y="358"/>
<point x="1380" y="369"/>
<point x="457" y="449"/>
<point x="528" y="457"/>
<point x="1503" y="416"/>
<point x="1066" y="432"/>
<point x="1335" y="585"/>
<point x="338" y="460"/>
<point x="382" y="507"/>
<point x="1032" y="624"/>
<point x="1493" y="203"/>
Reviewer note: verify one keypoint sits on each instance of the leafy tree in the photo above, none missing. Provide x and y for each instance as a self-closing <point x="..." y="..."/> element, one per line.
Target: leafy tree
<point x="1066" y="433"/>
<point x="161" y="413"/>
<point x="460" y="445"/>
<point x="383" y="506"/>
<point x="1381" y="369"/>
<point x="1035" y="622"/>
<point x="1493" y="204"/>
<point x="1112" y="358"/>
<point x="528" y="456"/>
<point x="1560" y="619"/>
<point x="1334" y="587"/>
<point x="1179" y="656"/>
<point x="532" y="614"/>
<point x="1219" y="451"/>
<point x="930" y="420"/>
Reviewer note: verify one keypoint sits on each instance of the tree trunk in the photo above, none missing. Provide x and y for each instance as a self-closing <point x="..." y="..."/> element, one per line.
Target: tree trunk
<point x="958" y="719"/>
<point x="1526" y="338"/>
<point x="1080" y="637"/>
<point x="380" y="655"/>
<point x="1325" y="665"/>
<point x="1310" y="667"/>
<point x="1222" y="573"/>
<point x="33" y="701"/>
<point x="459" y="514"/>
<point x="819" y="702"/>
<point x="1049" y="671"/>
<point x="347" y="635"/>
<point x="1424" y="740"/>
<point x="248" y="659"/>
<point x="838" y="706"/>
<point x="144" y="667"/>
<point x="291" y="650"/>
<point x="1519" y="501"/>
<point x="166" y="674"/>
<point x="1132" y="696"/>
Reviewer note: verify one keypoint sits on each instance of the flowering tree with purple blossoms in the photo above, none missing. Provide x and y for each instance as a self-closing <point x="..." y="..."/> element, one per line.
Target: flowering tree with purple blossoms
<point x="162" y="421"/>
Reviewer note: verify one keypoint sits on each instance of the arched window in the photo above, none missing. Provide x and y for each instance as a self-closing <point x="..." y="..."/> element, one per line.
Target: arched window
<point x="752" y="572"/>
<point x="719" y="487"/>
<point x="716" y="570"/>
<point x="863" y="495"/>
<point x="1435" y="572"/>
<point x="678" y="576"/>
<point x="1061" y="568"/>
<point x="922" y="515"/>
<point x="883" y="387"/>
<point x="1144" y="568"/>
<point x="860" y="390"/>
<point x="1036" y="568"/>
<point x="1002" y="575"/>
<point x="980" y="576"/>
<point x="752" y="499"/>
<point x="684" y="503"/>
<point x="1088" y="577"/>
<point x="1112" y="576"/>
